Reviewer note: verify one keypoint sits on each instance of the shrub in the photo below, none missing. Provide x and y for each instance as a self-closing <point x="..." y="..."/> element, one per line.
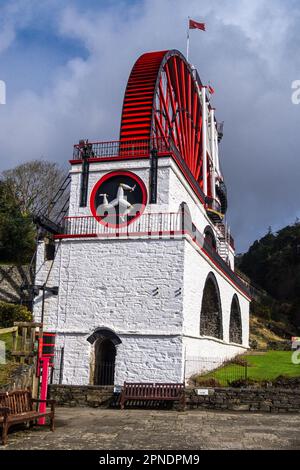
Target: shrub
<point x="238" y="360"/>
<point x="283" y="381"/>
<point x="279" y="345"/>
<point x="240" y="383"/>
<point x="9" y="313"/>
<point x="206" y="382"/>
<point x="253" y="344"/>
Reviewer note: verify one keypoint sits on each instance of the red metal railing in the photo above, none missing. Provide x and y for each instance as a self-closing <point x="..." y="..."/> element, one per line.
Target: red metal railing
<point x="119" y="148"/>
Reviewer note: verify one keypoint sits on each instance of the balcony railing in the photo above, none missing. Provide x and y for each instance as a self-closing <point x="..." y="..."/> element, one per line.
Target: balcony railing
<point x="147" y="224"/>
<point x="136" y="148"/>
<point x="166" y="225"/>
<point x="128" y="148"/>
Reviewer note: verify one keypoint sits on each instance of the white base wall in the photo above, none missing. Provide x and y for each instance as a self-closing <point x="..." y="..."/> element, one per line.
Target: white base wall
<point x="149" y="359"/>
<point x="196" y="269"/>
<point x="149" y="292"/>
<point x="205" y="354"/>
<point x="140" y="358"/>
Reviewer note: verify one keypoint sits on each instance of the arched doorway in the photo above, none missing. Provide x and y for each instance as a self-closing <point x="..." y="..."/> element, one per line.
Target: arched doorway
<point x="211" y="310"/>
<point x="235" y="326"/>
<point x="105" y="357"/>
<point x="105" y="343"/>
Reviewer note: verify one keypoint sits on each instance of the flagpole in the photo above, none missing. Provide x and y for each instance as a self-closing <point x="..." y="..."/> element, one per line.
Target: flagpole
<point x="188" y="40"/>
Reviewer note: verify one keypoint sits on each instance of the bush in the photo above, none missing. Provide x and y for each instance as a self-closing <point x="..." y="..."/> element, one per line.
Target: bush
<point x="238" y="360"/>
<point x="9" y="313"/>
<point x="279" y="345"/>
<point x="206" y="382"/>
<point x="253" y="344"/>
<point x="241" y="383"/>
<point x="286" y="382"/>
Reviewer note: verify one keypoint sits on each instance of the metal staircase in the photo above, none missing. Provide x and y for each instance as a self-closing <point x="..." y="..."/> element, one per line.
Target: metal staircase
<point x="51" y="218"/>
<point x="223" y="243"/>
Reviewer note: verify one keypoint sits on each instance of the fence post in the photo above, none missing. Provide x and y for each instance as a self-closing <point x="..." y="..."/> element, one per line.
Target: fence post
<point x="61" y="365"/>
<point x="246" y="371"/>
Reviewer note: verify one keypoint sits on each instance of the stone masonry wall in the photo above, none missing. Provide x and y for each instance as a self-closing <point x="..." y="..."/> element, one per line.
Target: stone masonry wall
<point x="271" y="400"/>
<point x="76" y="395"/>
<point x="129" y="286"/>
<point x="246" y="399"/>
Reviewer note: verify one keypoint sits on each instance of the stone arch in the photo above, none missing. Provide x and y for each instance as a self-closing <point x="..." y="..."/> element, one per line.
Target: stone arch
<point x="211" y="323"/>
<point x="104" y="333"/>
<point x="235" y="324"/>
<point x="105" y="343"/>
<point x="209" y="237"/>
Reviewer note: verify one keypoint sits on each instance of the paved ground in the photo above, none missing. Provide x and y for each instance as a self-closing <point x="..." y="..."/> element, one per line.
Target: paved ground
<point x="88" y="428"/>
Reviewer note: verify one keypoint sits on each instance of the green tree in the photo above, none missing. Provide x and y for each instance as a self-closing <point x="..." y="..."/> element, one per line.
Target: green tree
<point x="9" y="313"/>
<point x="273" y="262"/>
<point x="17" y="232"/>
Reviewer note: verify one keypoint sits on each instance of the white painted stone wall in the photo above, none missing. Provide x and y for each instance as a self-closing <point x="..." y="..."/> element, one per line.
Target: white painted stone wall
<point x="180" y="191"/>
<point x="145" y="358"/>
<point x="111" y="283"/>
<point x="139" y="167"/>
<point x="196" y="269"/>
<point x="205" y="354"/>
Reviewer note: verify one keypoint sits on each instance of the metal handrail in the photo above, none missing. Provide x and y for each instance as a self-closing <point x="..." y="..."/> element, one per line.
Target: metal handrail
<point x="119" y="148"/>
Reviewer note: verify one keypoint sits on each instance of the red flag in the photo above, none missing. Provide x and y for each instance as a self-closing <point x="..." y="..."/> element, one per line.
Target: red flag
<point x="195" y="25"/>
<point x="211" y="89"/>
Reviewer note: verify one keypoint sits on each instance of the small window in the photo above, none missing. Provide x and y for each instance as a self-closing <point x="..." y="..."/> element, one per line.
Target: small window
<point x="49" y="251"/>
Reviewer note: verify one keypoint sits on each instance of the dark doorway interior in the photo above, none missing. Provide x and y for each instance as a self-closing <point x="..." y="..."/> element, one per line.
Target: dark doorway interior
<point x="105" y="356"/>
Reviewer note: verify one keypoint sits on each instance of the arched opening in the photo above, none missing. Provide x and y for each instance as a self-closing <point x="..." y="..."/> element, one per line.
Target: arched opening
<point x="209" y="237"/>
<point x="105" y="357"/>
<point x="235" y="325"/>
<point x="211" y="310"/>
<point x="105" y="341"/>
<point x="186" y="218"/>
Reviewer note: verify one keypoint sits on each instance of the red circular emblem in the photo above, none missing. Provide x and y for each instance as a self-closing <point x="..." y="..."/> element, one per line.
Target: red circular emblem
<point x="118" y="199"/>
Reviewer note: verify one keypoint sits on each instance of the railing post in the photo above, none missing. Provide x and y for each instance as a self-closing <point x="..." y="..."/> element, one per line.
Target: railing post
<point x="204" y="139"/>
<point x="153" y="177"/>
<point x="44" y="387"/>
<point x="61" y="365"/>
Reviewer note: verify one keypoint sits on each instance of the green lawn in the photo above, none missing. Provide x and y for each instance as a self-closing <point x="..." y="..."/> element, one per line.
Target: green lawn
<point x="266" y="366"/>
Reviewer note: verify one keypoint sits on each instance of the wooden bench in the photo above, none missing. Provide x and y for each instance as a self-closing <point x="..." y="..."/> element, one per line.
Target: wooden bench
<point x="152" y="392"/>
<point x="18" y="407"/>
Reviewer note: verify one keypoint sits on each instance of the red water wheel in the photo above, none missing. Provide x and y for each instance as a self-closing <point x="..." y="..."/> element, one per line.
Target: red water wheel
<point x="162" y="102"/>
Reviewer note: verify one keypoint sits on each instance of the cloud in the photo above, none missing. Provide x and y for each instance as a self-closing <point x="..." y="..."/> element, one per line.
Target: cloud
<point x="249" y="52"/>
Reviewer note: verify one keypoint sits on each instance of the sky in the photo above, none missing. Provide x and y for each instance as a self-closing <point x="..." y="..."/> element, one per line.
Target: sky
<point x="66" y="64"/>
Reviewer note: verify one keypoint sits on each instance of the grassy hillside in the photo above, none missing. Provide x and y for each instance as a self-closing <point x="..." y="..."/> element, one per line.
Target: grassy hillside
<point x="263" y="331"/>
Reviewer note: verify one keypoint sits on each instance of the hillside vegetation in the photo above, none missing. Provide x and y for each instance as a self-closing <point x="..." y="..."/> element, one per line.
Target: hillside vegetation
<point x="273" y="263"/>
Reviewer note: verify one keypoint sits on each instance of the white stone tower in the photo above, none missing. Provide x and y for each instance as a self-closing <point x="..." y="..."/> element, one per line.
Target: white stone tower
<point x="144" y="262"/>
